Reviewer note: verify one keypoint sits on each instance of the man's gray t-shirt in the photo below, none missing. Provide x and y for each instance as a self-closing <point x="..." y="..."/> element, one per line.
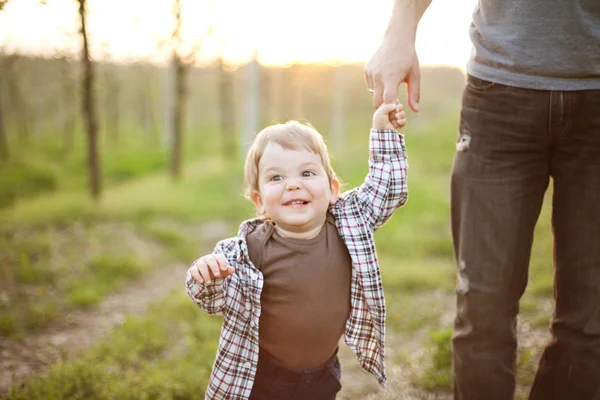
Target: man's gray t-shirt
<point x="537" y="44"/>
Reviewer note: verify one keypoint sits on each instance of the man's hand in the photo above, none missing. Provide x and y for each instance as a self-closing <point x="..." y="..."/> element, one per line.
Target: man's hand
<point x="395" y="62"/>
<point x="209" y="267"/>
<point x="389" y="116"/>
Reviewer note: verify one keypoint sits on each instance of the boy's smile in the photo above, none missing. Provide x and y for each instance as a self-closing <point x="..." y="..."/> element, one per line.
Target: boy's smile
<point x="294" y="190"/>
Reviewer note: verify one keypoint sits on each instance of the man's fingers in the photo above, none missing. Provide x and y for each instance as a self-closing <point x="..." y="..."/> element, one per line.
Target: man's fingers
<point x="390" y="92"/>
<point x="377" y="95"/>
<point x="368" y="81"/>
<point x="413" y="88"/>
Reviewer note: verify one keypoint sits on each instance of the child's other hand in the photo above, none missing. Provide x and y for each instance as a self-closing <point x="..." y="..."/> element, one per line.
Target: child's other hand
<point x="209" y="267"/>
<point x="389" y="116"/>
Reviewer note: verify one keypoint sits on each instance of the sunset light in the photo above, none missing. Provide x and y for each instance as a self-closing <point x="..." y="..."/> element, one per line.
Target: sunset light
<point x="280" y="31"/>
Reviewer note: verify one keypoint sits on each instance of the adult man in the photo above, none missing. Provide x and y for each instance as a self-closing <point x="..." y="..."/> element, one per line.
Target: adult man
<point x="530" y="111"/>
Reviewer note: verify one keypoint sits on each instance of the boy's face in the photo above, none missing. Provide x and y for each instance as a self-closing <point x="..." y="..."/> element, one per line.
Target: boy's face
<point x="294" y="189"/>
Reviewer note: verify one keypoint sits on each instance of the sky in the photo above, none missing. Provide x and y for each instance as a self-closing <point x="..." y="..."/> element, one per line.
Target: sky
<point x="279" y="31"/>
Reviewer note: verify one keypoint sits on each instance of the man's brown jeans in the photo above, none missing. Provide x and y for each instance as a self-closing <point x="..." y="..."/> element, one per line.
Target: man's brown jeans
<point x="511" y="142"/>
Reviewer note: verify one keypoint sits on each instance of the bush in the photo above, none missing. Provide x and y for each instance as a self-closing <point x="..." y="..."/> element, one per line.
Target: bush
<point x="21" y="180"/>
<point x="122" y="167"/>
<point x="439" y="373"/>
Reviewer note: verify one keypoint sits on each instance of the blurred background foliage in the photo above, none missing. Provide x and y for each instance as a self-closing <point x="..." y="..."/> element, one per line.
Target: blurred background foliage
<point x="62" y="252"/>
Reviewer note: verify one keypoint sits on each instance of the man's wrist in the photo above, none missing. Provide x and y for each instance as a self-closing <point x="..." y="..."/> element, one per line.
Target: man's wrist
<point x="404" y="19"/>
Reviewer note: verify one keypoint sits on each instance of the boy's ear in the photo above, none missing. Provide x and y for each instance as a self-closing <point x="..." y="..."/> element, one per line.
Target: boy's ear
<point x="257" y="200"/>
<point x="335" y="190"/>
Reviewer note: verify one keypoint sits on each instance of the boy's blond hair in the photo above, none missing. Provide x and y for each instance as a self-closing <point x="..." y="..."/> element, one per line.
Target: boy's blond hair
<point x="292" y="135"/>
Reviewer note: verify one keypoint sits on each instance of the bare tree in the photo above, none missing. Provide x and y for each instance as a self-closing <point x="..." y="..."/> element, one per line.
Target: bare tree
<point x="297" y="90"/>
<point x="20" y="111"/>
<point x="111" y="98"/>
<point x="227" y="111"/>
<point x="69" y="98"/>
<point x="251" y="103"/>
<point x="176" y="107"/>
<point x="4" y="153"/>
<point x="89" y="109"/>
<point x="177" y="98"/>
<point x="144" y="110"/>
<point x="339" y="106"/>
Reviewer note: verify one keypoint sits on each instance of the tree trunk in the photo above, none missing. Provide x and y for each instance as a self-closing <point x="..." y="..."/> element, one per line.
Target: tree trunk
<point x="4" y="153"/>
<point x="177" y="117"/>
<point x="69" y="99"/>
<point x="252" y="104"/>
<point x="338" y="109"/>
<point x="227" y="112"/>
<point x="277" y="94"/>
<point x="20" y="114"/>
<point x="144" y="115"/>
<point x="89" y="110"/>
<point x="112" y="103"/>
<point x="297" y="91"/>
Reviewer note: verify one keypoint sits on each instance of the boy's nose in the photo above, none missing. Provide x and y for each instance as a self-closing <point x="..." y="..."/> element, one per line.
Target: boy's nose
<point x="292" y="185"/>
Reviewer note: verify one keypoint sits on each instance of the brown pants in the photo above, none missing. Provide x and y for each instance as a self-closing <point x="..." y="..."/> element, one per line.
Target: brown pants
<point x="512" y="141"/>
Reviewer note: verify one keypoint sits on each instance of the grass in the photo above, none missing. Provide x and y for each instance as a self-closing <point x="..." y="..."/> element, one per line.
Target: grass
<point x="164" y="355"/>
<point x="439" y="373"/>
<point x="103" y="275"/>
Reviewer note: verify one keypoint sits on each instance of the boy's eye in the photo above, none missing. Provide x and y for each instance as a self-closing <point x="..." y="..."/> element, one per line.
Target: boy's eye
<point x="308" y="173"/>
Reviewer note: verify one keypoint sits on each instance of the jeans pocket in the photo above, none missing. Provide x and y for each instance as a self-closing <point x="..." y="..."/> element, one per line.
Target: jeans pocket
<point x="480" y="85"/>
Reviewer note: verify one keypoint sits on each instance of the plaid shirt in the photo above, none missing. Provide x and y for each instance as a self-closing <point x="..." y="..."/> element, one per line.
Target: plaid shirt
<point x="358" y="213"/>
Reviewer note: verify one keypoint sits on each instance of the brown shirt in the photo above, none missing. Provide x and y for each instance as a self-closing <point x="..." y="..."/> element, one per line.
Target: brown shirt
<point x="306" y="296"/>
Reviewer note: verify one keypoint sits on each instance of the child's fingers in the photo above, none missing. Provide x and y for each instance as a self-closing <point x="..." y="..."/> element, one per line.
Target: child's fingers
<point x="386" y="108"/>
<point x="203" y="274"/>
<point x="213" y="265"/>
<point x="222" y="261"/>
<point x="226" y="270"/>
<point x="196" y="273"/>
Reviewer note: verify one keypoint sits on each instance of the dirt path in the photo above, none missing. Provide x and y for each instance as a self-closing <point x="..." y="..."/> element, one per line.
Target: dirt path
<point x="80" y="329"/>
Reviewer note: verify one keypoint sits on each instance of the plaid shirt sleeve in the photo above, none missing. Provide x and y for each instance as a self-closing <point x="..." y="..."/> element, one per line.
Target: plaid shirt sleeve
<point x="385" y="187"/>
<point x="211" y="297"/>
<point x="359" y="212"/>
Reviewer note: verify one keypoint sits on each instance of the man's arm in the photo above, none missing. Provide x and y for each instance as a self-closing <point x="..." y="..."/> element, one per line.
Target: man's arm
<point x="396" y="61"/>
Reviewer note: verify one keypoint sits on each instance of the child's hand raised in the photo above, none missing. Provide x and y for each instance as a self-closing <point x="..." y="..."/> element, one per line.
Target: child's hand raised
<point x="209" y="267"/>
<point x="389" y="116"/>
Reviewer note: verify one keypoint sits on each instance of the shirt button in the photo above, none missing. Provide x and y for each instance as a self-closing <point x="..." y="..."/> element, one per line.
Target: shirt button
<point x="247" y="365"/>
